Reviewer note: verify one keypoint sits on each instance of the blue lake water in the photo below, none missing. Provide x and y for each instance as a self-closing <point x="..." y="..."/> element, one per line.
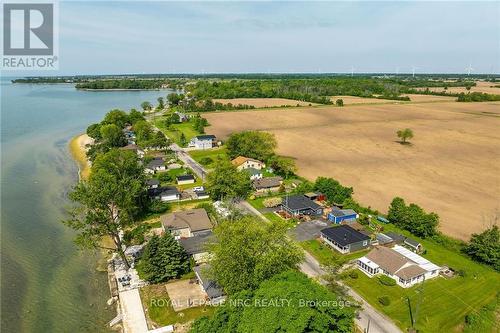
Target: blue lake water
<point x="47" y="284"/>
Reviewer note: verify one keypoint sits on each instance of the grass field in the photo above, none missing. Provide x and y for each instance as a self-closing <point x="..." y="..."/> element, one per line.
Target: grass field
<point x="450" y="168"/>
<point x="155" y="301"/>
<point x="175" y="131"/>
<point x="264" y="102"/>
<point x="328" y="256"/>
<point x="445" y="302"/>
<point x="214" y="154"/>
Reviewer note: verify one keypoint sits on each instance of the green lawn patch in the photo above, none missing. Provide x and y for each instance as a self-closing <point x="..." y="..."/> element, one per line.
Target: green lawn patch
<point x="445" y="302"/>
<point x="203" y="156"/>
<point x="175" y="131"/>
<point x="328" y="256"/>
<point x="156" y="302"/>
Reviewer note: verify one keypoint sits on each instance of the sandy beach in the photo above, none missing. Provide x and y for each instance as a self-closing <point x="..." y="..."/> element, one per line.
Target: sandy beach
<point x="78" y="149"/>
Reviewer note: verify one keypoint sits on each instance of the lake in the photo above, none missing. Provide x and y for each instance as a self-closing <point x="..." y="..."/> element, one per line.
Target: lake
<point x="47" y="284"/>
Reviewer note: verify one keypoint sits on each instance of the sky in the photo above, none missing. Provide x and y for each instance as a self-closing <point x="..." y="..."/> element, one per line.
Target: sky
<point x="207" y="37"/>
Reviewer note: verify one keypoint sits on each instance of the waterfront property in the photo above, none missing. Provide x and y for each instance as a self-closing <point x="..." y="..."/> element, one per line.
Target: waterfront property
<point x="135" y="148"/>
<point x="338" y="216"/>
<point x="402" y="265"/>
<point x="202" y="142"/>
<point x="345" y="239"/>
<point x="187" y="223"/>
<point x="297" y="205"/>
<point x="242" y="163"/>
<point x="197" y="246"/>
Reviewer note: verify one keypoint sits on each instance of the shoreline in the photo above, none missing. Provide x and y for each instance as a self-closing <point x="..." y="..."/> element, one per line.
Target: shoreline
<point x="78" y="152"/>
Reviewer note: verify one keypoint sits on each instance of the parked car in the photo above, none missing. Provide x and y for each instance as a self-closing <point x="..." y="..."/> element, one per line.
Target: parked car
<point x="198" y="189"/>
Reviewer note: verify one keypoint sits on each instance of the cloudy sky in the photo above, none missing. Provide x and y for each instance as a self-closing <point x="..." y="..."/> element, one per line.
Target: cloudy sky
<point x="161" y="37"/>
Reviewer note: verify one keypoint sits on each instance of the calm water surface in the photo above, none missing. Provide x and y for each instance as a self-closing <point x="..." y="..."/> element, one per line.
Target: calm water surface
<point x="47" y="284"/>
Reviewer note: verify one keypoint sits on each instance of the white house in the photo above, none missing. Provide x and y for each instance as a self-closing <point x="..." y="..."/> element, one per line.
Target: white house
<point x="402" y="265"/>
<point x="202" y="142"/>
<point x="185" y="179"/>
<point x="242" y="163"/>
<point x="157" y="164"/>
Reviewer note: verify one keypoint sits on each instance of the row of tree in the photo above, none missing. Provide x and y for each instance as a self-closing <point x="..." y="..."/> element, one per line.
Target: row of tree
<point x="413" y="218"/>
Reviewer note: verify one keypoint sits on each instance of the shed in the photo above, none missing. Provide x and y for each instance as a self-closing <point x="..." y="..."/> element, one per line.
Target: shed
<point x="185" y="179"/>
<point x="338" y="216"/>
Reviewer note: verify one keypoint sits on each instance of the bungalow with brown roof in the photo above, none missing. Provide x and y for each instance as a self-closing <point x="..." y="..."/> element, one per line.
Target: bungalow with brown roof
<point x="187" y="223"/>
<point x="398" y="266"/>
<point x="267" y="184"/>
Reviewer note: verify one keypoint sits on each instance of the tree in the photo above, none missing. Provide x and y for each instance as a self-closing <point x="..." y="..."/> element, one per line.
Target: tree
<point x="163" y="259"/>
<point x="254" y="144"/>
<point x="146" y="106"/>
<point x="135" y="116"/>
<point x="485" y="247"/>
<point x="109" y="201"/>
<point x="116" y="117"/>
<point x="226" y="182"/>
<point x="301" y="312"/>
<point x="283" y="166"/>
<point x="339" y="102"/>
<point x="112" y="136"/>
<point x="396" y="213"/>
<point x="161" y="103"/>
<point x="174" y="98"/>
<point x="412" y="218"/>
<point x="333" y="190"/>
<point x="405" y="134"/>
<point x="143" y="130"/>
<point x="94" y="131"/>
<point x="183" y="140"/>
<point x="267" y="251"/>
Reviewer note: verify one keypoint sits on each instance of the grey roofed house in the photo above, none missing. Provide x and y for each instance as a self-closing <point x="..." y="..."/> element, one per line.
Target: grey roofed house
<point x="383" y="239"/>
<point x="155" y="163"/>
<point x="344" y="235"/>
<point x="397" y="238"/>
<point x="165" y="191"/>
<point x="197" y="244"/>
<point x="152" y="182"/>
<point x="413" y="244"/>
<point x="206" y="137"/>
<point x="213" y="290"/>
<point x="267" y="182"/>
<point x="184" y="177"/>
<point x="194" y="219"/>
<point x="300" y="202"/>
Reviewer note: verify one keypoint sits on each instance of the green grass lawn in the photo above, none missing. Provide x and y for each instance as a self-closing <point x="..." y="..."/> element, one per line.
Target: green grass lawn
<point x="175" y="130"/>
<point x="328" y="256"/>
<point x="445" y="302"/>
<point x="214" y="154"/>
<point x="156" y="303"/>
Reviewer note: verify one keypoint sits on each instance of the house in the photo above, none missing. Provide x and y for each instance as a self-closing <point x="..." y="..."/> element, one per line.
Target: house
<point x="202" y="142"/>
<point x="214" y="292"/>
<point x="316" y="196"/>
<point x="301" y="205"/>
<point x="413" y="245"/>
<point x="136" y="149"/>
<point x="185" y="179"/>
<point x="345" y="239"/>
<point x="157" y="164"/>
<point x="242" y="163"/>
<point x="396" y="238"/>
<point x="187" y="223"/>
<point x="196" y="246"/>
<point x="384" y="239"/>
<point x="167" y="193"/>
<point x="267" y="184"/>
<point x="338" y="216"/>
<point x="398" y="263"/>
<point x="254" y="173"/>
<point x="182" y="116"/>
<point x="152" y="183"/>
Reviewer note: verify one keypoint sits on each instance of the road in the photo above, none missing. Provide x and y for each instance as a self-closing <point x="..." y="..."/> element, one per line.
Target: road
<point x="369" y="319"/>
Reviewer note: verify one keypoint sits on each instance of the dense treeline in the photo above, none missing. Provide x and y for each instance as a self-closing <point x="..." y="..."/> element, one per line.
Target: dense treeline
<point x="477" y="97"/>
<point x="413" y="218"/>
<point x="122" y="84"/>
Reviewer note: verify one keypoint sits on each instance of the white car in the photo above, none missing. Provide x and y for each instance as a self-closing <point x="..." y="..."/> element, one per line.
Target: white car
<point x="198" y="189"/>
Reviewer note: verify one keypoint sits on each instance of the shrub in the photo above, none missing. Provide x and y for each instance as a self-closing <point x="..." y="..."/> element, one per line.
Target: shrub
<point x="206" y="161"/>
<point x="462" y="272"/>
<point x="164" y="177"/>
<point x="386" y="281"/>
<point x="158" y="206"/>
<point x="353" y="275"/>
<point x="272" y="202"/>
<point x="384" y="300"/>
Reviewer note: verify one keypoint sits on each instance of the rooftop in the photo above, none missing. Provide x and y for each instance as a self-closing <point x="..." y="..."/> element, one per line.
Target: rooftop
<point x="300" y="202"/>
<point x="205" y="137"/>
<point x="242" y="159"/>
<point x="267" y="182"/>
<point x="152" y="181"/>
<point x="157" y="162"/>
<point x="344" y="235"/>
<point x="343" y="212"/>
<point x="211" y="287"/>
<point x="197" y="244"/>
<point x="185" y="177"/>
<point x="194" y="219"/>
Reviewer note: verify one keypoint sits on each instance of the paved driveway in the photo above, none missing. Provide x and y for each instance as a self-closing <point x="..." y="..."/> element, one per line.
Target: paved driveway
<point x="307" y="230"/>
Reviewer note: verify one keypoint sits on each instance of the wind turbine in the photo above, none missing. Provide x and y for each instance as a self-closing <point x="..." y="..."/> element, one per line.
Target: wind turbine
<point x="413" y="71"/>
<point x="469" y="69"/>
